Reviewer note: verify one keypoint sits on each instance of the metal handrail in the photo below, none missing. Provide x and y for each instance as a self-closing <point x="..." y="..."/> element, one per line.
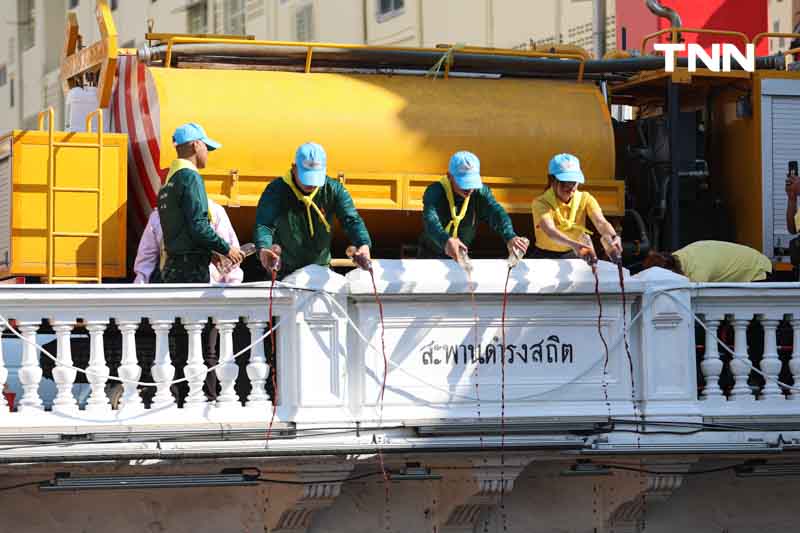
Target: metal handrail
<point x="764" y="34"/>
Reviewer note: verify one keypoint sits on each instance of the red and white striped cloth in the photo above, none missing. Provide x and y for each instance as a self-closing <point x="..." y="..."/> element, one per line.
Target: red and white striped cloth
<point x="135" y="111"/>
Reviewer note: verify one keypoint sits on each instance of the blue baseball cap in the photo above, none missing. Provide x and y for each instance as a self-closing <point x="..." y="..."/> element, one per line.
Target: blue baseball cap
<point x="311" y="162"/>
<point x="566" y="167"/>
<point x="465" y="167"/>
<point x="193" y="132"/>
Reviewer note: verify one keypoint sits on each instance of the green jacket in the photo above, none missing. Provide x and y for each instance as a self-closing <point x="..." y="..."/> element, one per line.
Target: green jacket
<point x="282" y="219"/>
<point x="183" y="211"/>
<point x="436" y="215"/>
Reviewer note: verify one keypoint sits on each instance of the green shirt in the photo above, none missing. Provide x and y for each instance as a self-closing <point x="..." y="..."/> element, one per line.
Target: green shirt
<point x="436" y="215"/>
<point x="282" y="219"/>
<point x="183" y="211"/>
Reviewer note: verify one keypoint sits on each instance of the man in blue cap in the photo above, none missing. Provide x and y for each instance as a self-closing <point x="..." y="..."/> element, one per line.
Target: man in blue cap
<point x="189" y="239"/>
<point x="452" y="208"/>
<point x="559" y="216"/>
<point x="294" y="218"/>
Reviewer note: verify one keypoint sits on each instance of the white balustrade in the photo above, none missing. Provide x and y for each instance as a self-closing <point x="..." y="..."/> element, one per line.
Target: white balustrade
<point x="552" y="356"/>
<point x="767" y="305"/>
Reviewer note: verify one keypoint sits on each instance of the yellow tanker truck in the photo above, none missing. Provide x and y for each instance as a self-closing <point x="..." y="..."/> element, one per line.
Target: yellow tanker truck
<point x="701" y="158"/>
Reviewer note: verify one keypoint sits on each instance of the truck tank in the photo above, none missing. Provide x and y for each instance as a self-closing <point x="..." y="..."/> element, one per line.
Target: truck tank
<point x="387" y="136"/>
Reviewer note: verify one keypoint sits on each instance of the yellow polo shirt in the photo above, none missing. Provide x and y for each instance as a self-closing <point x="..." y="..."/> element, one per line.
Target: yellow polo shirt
<point x="548" y="204"/>
<point x="717" y="261"/>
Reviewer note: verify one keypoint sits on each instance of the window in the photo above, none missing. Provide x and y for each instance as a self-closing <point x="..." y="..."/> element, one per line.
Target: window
<point x="27" y="24"/>
<point x="73" y="4"/>
<point x="197" y="17"/>
<point x="389" y="8"/>
<point x="114" y="5"/>
<point x="3" y="75"/>
<point x="234" y="17"/>
<point x="304" y="23"/>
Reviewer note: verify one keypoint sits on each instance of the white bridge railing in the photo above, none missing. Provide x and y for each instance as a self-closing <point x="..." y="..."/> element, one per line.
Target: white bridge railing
<point x="450" y="353"/>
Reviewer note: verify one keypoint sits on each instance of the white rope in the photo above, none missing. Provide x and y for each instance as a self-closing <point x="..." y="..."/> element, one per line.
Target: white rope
<point x="725" y="346"/>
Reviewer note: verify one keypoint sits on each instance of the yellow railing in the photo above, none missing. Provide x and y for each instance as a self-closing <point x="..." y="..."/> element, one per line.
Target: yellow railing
<point x="52" y="189"/>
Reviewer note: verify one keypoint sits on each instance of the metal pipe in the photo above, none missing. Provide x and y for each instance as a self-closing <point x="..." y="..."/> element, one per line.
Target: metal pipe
<point x="599" y="28"/>
<point x="665" y="12"/>
<point x="413" y="59"/>
<point x="673" y="108"/>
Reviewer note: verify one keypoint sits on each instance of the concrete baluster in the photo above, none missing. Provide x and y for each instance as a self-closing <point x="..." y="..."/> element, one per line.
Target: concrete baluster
<point x="711" y="366"/>
<point x="30" y="373"/>
<point x="770" y="363"/>
<point x="741" y="364"/>
<point x="227" y="371"/>
<point x="63" y="373"/>
<point x="129" y="369"/>
<point x="163" y="372"/>
<point x="195" y="370"/>
<point x="794" y="362"/>
<point x="257" y="368"/>
<point x="97" y="372"/>
<point x="3" y="376"/>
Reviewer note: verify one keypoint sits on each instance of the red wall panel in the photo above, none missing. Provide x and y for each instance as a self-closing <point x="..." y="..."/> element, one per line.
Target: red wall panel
<point x="746" y="16"/>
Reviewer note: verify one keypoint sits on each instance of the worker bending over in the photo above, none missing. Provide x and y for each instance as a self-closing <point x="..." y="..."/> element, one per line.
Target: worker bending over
<point x="452" y="208"/>
<point x="714" y="261"/>
<point x="294" y="218"/>
<point x="559" y="216"/>
<point x="189" y="239"/>
<point x="150" y="254"/>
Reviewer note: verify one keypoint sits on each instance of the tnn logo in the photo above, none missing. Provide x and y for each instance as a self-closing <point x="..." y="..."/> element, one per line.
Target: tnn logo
<point x="712" y="62"/>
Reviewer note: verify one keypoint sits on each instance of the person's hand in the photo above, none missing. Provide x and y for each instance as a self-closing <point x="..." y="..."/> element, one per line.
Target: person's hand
<point x="792" y="185"/>
<point x="585" y="252"/>
<point x="519" y="244"/>
<point x="362" y="257"/>
<point x="614" y="247"/>
<point x="235" y="255"/>
<point x="454" y="248"/>
<point x="270" y="257"/>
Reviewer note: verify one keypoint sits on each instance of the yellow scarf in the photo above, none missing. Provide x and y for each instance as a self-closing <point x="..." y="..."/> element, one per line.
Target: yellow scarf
<point x="564" y="224"/>
<point x="455" y="219"/>
<point x="175" y="166"/>
<point x="308" y="201"/>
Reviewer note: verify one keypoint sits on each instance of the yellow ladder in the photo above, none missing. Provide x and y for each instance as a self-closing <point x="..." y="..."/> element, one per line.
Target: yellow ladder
<point x="52" y="234"/>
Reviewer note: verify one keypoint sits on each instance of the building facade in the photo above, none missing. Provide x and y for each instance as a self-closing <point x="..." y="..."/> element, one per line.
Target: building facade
<point x="32" y="37"/>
